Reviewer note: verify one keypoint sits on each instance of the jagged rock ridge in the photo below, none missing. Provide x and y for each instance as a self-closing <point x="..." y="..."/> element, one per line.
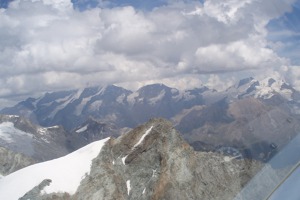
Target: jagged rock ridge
<point x="154" y="162"/>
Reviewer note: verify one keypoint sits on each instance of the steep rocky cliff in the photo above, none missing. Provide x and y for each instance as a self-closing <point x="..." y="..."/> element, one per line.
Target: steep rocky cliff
<point x="11" y="161"/>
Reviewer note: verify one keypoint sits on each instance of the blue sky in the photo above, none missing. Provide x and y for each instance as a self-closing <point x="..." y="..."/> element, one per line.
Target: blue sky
<point x="64" y="44"/>
<point x="140" y="4"/>
<point x="286" y="29"/>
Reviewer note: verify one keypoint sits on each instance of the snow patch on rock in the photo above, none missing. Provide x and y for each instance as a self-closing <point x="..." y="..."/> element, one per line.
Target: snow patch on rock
<point x="143" y="137"/>
<point x="128" y="186"/>
<point x="82" y="129"/>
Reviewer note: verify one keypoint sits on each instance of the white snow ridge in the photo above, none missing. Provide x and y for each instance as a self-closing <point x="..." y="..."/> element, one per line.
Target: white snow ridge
<point x="143" y="137"/>
<point x="128" y="187"/>
<point x="123" y="159"/>
<point x="65" y="172"/>
<point x="82" y="129"/>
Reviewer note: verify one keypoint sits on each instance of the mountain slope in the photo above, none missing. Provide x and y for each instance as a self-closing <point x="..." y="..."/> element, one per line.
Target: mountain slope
<point x="150" y="162"/>
<point x="11" y="161"/>
<point x="256" y="129"/>
<point x="60" y="175"/>
<point x="90" y="131"/>
<point x="19" y="135"/>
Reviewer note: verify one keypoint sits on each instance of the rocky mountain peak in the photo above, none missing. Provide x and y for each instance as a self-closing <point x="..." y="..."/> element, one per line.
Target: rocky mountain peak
<point x="153" y="162"/>
<point x="156" y="134"/>
<point x="153" y="90"/>
<point x="244" y="81"/>
<point x="271" y="81"/>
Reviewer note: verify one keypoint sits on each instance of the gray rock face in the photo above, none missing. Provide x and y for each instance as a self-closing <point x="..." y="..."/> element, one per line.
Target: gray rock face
<point x="154" y="162"/>
<point x="35" y="192"/>
<point x="19" y="135"/>
<point x="11" y="161"/>
<point x="90" y="131"/>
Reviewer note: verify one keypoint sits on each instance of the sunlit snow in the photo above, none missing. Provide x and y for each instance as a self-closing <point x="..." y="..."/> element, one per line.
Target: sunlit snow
<point x="156" y="99"/>
<point x="267" y="91"/>
<point x="128" y="187"/>
<point x="79" y="108"/>
<point x="95" y="105"/>
<point x="8" y="132"/>
<point x="123" y="159"/>
<point x="82" y="129"/>
<point x="143" y="137"/>
<point x="228" y="159"/>
<point x="65" y="172"/>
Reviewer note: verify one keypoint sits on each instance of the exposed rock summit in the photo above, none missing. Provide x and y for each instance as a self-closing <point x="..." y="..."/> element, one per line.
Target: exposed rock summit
<point x="153" y="162"/>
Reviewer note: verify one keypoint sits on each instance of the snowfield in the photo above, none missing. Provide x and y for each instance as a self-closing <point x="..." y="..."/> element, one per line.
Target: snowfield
<point x="65" y="172"/>
<point x="9" y="133"/>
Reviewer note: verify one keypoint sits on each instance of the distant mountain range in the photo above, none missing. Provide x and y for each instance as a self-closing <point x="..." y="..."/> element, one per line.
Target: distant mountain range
<point x="251" y="118"/>
<point x="111" y="104"/>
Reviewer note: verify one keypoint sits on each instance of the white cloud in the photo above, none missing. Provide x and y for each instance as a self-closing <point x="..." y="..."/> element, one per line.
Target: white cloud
<point x="218" y="83"/>
<point x="238" y="55"/>
<point x="293" y="74"/>
<point x="181" y="82"/>
<point x="48" y="42"/>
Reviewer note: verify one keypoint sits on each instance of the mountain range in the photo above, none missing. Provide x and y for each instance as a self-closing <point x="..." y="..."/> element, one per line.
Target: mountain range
<point x="52" y="143"/>
<point x="251" y="119"/>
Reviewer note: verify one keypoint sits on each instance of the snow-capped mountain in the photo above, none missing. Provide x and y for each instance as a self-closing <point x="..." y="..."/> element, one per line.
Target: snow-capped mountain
<point x="150" y="162"/>
<point x="256" y="117"/>
<point x="110" y="104"/>
<point x="263" y="89"/>
<point x="208" y="119"/>
<point x="19" y="135"/>
<point x="71" y="108"/>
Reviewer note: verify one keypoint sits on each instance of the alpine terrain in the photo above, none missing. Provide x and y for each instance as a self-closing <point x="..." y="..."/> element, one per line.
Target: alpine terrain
<point x="23" y="143"/>
<point x="252" y="119"/>
<point x="150" y="162"/>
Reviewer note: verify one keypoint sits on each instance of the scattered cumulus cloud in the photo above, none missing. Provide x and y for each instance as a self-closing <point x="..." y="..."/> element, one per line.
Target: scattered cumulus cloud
<point x="49" y="45"/>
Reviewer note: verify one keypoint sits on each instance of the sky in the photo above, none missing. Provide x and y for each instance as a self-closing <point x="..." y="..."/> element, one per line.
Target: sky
<point x="51" y="45"/>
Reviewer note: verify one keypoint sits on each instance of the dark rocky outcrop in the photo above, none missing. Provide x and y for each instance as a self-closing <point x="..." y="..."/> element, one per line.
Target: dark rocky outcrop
<point x="34" y="193"/>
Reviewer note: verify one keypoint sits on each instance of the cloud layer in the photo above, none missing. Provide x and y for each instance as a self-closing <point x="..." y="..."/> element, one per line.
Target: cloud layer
<point x="48" y="45"/>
